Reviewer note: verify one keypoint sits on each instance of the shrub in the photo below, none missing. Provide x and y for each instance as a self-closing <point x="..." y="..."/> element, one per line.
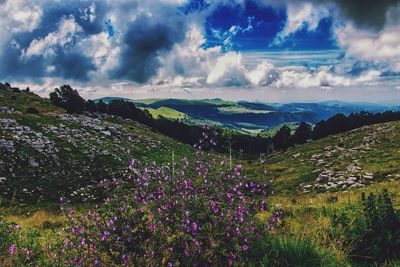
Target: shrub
<point x="8" y="234"/>
<point x="188" y="214"/>
<point x="17" y="251"/>
<point x="67" y="98"/>
<point x="32" y="110"/>
<point x="290" y="251"/>
<point x="372" y="228"/>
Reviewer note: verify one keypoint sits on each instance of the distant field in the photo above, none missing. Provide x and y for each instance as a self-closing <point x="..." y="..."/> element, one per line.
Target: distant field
<point x="148" y="101"/>
<point x="167" y="113"/>
<point x="274" y="130"/>
<point x="240" y="109"/>
<point x="166" y="101"/>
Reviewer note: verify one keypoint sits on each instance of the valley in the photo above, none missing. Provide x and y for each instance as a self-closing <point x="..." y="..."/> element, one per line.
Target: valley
<point x="249" y="117"/>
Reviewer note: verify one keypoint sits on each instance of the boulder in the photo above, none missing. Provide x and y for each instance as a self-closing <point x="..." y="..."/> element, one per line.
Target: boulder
<point x="368" y="177"/>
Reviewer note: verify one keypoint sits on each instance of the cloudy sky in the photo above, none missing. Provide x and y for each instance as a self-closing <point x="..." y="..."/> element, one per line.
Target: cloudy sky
<point x="266" y="50"/>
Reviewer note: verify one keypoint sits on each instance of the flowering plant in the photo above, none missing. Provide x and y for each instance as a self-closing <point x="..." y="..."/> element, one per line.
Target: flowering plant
<point x="199" y="213"/>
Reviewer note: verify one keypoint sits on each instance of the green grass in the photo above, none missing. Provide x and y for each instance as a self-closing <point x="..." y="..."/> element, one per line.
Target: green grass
<point x="165" y="112"/>
<point x="291" y="168"/>
<point x="239" y="109"/>
<point x="301" y="252"/>
<point x="216" y="101"/>
<point x="148" y="101"/>
<point x="307" y="239"/>
<point x="23" y="100"/>
<point x="80" y="161"/>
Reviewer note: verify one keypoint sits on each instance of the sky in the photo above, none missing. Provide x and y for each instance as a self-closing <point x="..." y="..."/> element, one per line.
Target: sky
<point x="258" y="50"/>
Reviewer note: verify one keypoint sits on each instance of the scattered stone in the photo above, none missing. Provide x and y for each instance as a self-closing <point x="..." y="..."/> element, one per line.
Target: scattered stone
<point x="357" y="185"/>
<point x="33" y="163"/>
<point x="296" y="155"/>
<point x="106" y="133"/>
<point x="7" y="145"/>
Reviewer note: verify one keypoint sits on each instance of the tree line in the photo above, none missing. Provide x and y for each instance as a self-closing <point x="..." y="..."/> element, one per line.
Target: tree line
<point x="72" y="102"/>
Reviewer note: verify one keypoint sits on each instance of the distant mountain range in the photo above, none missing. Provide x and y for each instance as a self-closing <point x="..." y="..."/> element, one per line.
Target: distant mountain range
<point x="248" y="116"/>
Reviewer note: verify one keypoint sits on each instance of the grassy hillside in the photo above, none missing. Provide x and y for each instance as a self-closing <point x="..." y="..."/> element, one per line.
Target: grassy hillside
<point x="51" y="154"/>
<point x="368" y="151"/>
<point x="49" y="145"/>
<point x="23" y="100"/>
<point x="251" y="117"/>
<point x="184" y="102"/>
<point x="166" y="113"/>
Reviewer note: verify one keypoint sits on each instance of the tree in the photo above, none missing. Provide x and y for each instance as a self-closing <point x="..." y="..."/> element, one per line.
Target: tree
<point x="122" y="108"/>
<point x="32" y="110"/>
<point x="302" y="134"/>
<point x="320" y="130"/>
<point x="338" y="124"/>
<point x="335" y="124"/>
<point x="282" y="138"/>
<point x="68" y="98"/>
<point x="102" y="107"/>
<point x="90" y="106"/>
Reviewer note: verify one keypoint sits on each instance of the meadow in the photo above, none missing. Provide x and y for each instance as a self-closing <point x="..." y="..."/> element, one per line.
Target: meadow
<point x="147" y="206"/>
<point x="204" y="211"/>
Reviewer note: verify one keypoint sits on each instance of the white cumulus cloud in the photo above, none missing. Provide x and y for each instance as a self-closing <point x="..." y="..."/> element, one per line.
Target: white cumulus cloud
<point x="64" y="35"/>
<point x="382" y="47"/>
<point x="300" y="15"/>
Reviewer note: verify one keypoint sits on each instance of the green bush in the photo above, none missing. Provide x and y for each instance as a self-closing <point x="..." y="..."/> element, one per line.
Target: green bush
<point x="32" y="110"/>
<point x="291" y="251"/>
<point x="372" y="228"/>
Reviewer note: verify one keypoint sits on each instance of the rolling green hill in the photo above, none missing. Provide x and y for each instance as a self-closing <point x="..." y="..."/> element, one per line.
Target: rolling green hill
<point x="366" y="155"/>
<point x="62" y="151"/>
<point x="51" y="154"/>
<point x="166" y="113"/>
<point x="47" y="154"/>
<point x="250" y="117"/>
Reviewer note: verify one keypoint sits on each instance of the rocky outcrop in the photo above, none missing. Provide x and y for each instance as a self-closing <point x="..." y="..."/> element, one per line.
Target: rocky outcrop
<point x="331" y="177"/>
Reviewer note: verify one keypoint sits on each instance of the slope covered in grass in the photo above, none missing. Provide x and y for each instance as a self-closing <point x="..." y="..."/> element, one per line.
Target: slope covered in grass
<point x="51" y="154"/>
<point x="372" y="150"/>
<point x="168" y="113"/>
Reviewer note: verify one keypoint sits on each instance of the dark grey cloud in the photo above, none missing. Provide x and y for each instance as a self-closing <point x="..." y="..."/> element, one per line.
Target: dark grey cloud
<point x="142" y="37"/>
<point x="72" y="65"/>
<point x="144" y="41"/>
<point x="367" y="13"/>
<point x="144" y="32"/>
<point x="12" y="68"/>
<point x="66" y="62"/>
<point x="80" y="10"/>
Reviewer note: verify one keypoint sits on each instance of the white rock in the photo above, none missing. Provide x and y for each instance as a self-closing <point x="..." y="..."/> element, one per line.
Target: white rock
<point x="33" y="163"/>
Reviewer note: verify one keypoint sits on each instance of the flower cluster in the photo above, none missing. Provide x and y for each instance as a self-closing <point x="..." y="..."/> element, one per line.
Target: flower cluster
<point x="185" y="213"/>
<point x="21" y="251"/>
<point x="276" y="221"/>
